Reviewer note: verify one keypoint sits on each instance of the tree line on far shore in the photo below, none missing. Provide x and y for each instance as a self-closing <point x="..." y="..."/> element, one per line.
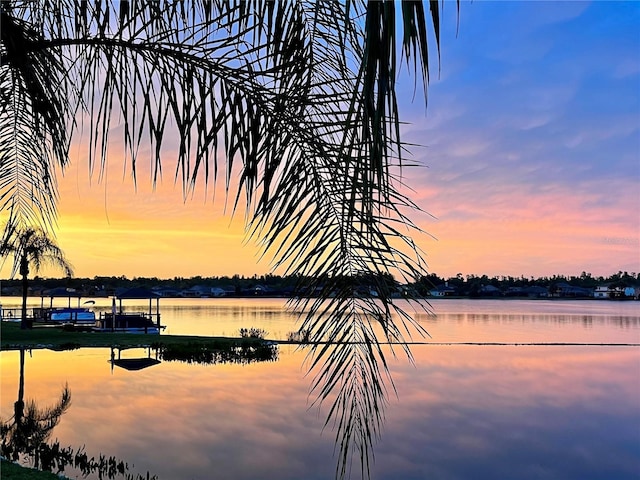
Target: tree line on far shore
<point x="270" y="284"/>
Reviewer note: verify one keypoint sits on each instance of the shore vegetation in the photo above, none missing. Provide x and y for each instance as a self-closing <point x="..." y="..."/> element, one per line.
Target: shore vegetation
<point x="271" y="285"/>
<point x="12" y="337"/>
<point x="13" y="471"/>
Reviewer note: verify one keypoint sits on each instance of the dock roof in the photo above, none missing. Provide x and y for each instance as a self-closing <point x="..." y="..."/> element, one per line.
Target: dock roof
<point x="137" y="293"/>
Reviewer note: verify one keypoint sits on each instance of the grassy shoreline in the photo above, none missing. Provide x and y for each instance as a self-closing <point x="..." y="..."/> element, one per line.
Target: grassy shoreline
<point x="14" y="471"/>
<point x="13" y="338"/>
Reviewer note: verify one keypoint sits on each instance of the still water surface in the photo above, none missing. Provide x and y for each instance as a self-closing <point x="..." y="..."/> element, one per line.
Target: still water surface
<point x="461" y="411"/>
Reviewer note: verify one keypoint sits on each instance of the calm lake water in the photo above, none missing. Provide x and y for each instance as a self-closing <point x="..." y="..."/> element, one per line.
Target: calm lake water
<point x="461" y="411"/>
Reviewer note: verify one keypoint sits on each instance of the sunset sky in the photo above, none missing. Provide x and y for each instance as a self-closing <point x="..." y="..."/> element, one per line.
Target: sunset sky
<point x="531" y="160"/>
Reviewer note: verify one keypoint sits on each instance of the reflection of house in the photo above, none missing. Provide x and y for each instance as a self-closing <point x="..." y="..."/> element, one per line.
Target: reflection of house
<point x="443" y="290"/>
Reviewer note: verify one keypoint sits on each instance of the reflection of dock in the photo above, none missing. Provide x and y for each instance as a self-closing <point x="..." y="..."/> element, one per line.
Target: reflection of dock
<point x="132" y="364"/>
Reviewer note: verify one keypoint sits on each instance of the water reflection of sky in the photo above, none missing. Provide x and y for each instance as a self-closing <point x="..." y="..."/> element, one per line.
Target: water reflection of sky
<point x="458" y="320"/>
<point x="519" y="412"/>
<point x="462" y="412"/>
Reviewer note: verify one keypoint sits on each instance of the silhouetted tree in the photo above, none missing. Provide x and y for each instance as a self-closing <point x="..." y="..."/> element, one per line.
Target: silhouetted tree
<point x="31" y="248"/>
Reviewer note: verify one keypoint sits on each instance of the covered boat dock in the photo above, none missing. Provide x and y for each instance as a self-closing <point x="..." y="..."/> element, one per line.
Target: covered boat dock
<point x="127" y="321"/>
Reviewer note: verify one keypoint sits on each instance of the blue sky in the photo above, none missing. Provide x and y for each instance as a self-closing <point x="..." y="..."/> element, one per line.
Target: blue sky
<point x="532" y="138"/>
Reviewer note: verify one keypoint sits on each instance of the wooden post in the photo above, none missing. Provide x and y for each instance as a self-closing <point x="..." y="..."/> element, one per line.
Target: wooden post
<point x="158" y="313"/>
<point x="114" y="312"/>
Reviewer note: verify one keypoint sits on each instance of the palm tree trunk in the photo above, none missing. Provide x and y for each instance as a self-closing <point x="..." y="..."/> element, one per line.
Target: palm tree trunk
<point x="24" y="271"/>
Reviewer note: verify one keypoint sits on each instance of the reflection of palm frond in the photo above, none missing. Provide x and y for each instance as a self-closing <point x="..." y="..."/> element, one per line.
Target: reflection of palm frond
<point x="41" y="421"/>
<point x="350" y="368"/>
<point x="31" y="427"/>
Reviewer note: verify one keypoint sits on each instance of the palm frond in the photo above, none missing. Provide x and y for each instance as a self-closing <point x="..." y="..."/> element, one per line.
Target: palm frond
<point x="34" y="111"/>
<point x="28" y="189"/>
<point x="291" y="104"/>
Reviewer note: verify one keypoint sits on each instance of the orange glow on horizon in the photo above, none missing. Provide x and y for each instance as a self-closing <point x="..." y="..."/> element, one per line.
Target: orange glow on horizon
<point x="515" y="233"/>
<point x="113" y="228"/>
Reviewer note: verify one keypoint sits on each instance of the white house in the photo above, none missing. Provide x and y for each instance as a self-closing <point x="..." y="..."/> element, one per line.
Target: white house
<point x="602" y="291"/>
<point x="443" y="290"/>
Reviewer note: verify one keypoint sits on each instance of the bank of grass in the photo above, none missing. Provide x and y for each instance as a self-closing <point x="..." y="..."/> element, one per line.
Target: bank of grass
<point x="14" y="338"/>
<point x="12" y="471"/>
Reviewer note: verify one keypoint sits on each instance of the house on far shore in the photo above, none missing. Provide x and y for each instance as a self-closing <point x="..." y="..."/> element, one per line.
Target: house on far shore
<point x="257" y="290"/>
<point x="443" y="290"/>
<point x="565" y="290"/>
<point x="532" y="291"/>
<point x="616" y="292"/>
<point x="203" y="291"/>
<point x="217" y="292"/>
<point x="167" y="292"/>
<point x="536" y="291"/>
<point x="602" y="291"/>
<point x="623" y="292"/>
<point x="489" y="291"/>
<point x="229" y="290"/>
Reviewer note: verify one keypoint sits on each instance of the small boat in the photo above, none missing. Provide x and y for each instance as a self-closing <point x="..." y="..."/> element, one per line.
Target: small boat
<point x="81" y="314"/>
<point x="71" y="315"/>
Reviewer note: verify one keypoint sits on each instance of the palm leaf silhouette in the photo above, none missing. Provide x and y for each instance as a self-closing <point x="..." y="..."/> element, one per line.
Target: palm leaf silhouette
<point x="291" y="104"/>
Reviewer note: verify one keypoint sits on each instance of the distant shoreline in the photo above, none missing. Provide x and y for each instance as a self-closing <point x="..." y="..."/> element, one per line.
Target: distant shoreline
<point x="429" y="287"/>
<point x="18" y="298"/>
